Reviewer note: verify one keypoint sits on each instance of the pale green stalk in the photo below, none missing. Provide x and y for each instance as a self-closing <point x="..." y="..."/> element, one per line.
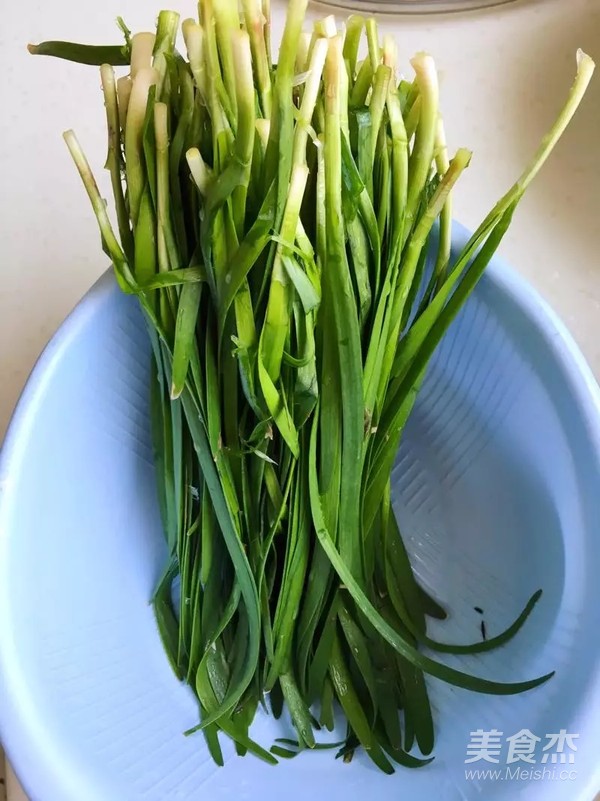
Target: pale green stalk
<point x="361" y="87"/>
<point x="278" y="160"/>
<point x="399" y="141"/>
<point x="303" y="121"/>
<point x="244" y="88"/>
<point x="220" y="116"/>
<point x="345" y="320"/>
<point x="445" y="235"/>
<point x="136" y="114"/>
<point x="227" y="23"/>
<point x="424" y="147"/>
<point x="255" y="27"/>
<point x="266" y="12"/>
<point x="420" y="333"/>
<point x="423" y="325"/>
<point x="585" y="70"/>
<point x="412" y="118"/>
<point x="307" y="107"/>
<point x="414" y="247"/>
<point x="373" y="44"/>
<point x="167" y="28"/>
<point x="344" y="96"/>
<point x="354" y="28"/>
<point x="114" y="161"/>
<point x="377" y="104"/>
<point x="99" y="206"/>
<point x="323" y="28"/>
<point x="276" y="326"/>
<point x="421" y="232"/>
<point x="166" y="34"/>
<point x="321" y="243"/>
<point x="244" y="142"/>
<point x="161" y="132"/>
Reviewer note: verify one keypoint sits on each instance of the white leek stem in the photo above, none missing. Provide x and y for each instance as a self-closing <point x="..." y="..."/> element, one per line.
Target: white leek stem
<point x="193" y="36"/>
<point x="124" y="85"/>
<point x="142" y="47"/>
<point x="201" y="174"/>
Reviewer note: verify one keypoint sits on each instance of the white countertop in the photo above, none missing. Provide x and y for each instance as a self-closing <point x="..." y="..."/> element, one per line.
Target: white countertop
<point x="504" y="74"/>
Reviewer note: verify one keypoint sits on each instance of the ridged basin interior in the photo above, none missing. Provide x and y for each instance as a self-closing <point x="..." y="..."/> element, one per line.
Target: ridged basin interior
<point x="496" y="491"/>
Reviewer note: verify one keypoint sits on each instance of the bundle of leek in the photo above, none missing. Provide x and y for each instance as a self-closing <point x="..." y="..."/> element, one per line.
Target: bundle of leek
<point x="276" y="224"/>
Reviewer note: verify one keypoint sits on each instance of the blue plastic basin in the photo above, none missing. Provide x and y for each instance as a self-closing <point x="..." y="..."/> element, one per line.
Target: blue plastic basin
<point x="497" y="490"/>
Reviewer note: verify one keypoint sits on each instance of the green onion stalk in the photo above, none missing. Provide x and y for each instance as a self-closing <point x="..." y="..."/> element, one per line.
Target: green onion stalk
<point x="286" y="229"/>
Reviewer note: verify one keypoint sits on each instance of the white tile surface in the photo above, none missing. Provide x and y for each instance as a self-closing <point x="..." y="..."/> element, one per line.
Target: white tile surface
<point x="504" y="75"/>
